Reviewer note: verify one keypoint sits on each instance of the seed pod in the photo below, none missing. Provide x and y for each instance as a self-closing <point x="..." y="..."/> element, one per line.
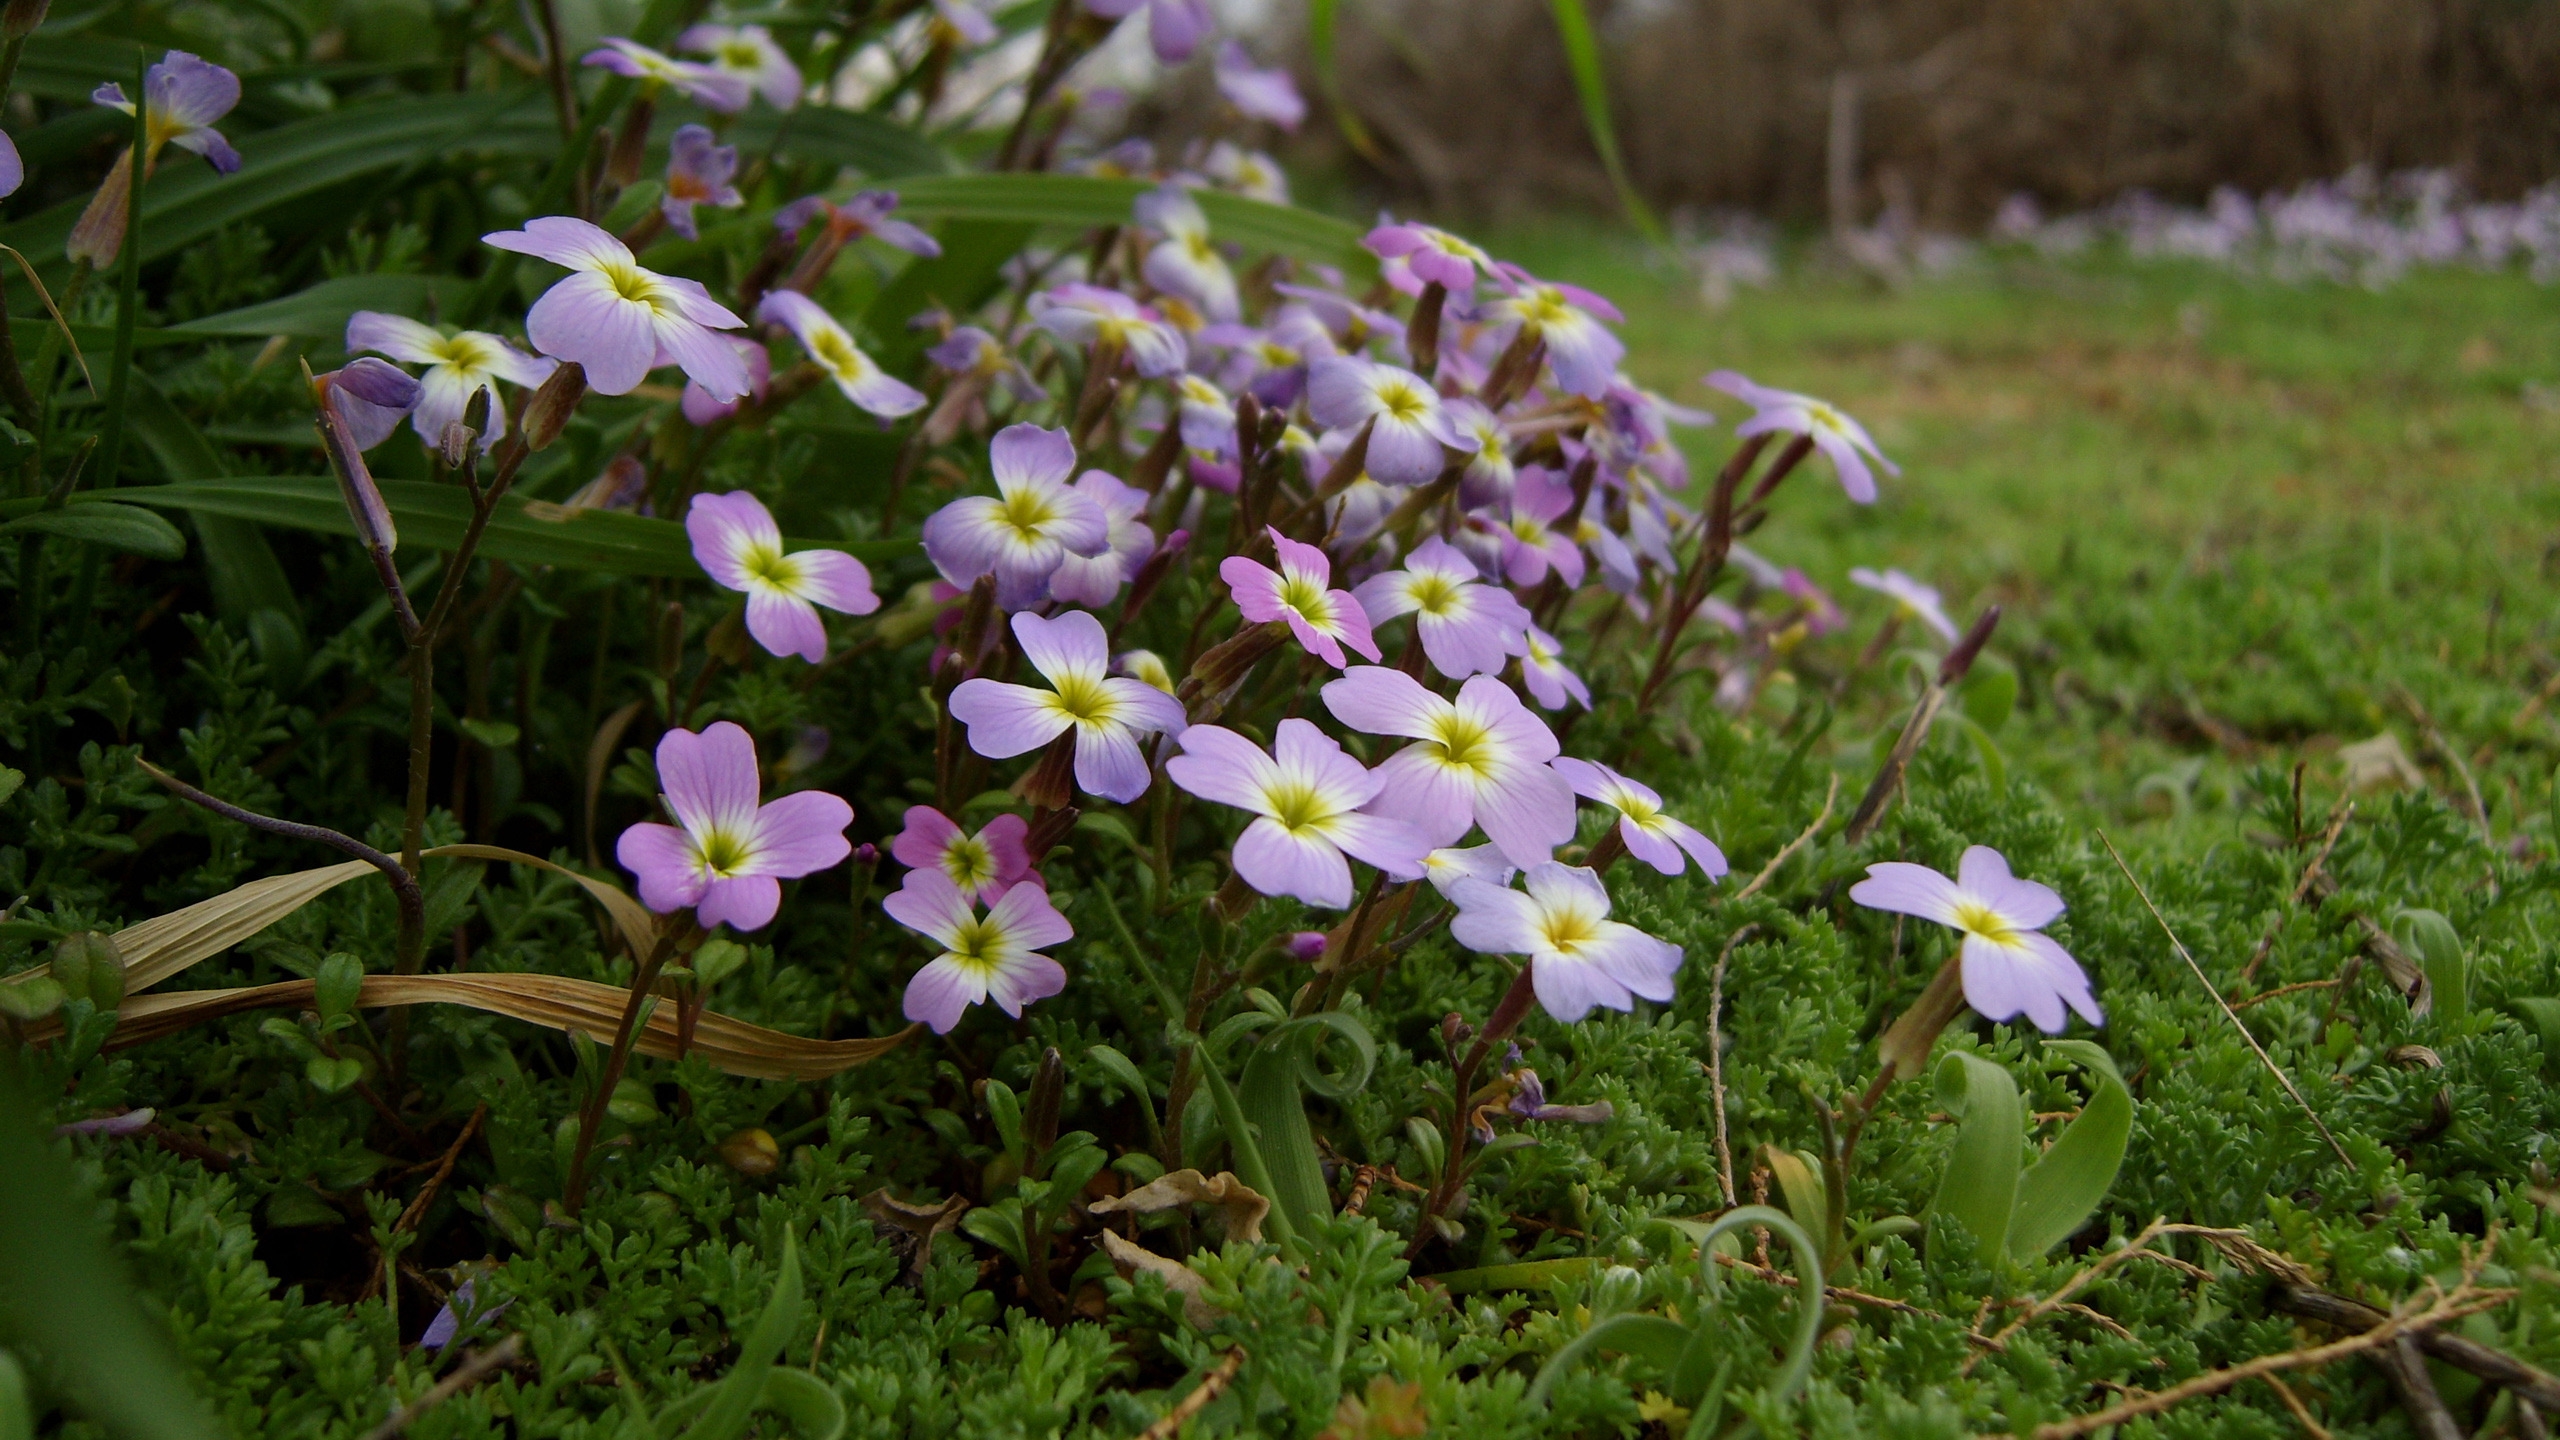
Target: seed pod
<point x="548" y="412"/>
<point x="752" y="1151"/>
<point x="88" y="964"/>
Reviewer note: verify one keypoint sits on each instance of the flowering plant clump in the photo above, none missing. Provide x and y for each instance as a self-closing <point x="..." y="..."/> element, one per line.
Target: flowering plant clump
<point x="956" y="739"/>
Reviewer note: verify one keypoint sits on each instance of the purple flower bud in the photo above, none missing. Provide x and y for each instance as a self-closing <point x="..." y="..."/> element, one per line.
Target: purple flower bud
<point x="124" y="1124"/>
<point x="866" y="855"/>
<point x="1307" y="945"/>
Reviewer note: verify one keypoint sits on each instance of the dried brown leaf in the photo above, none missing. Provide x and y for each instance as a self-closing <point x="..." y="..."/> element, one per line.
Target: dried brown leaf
<point x="1242" y="1208"/>
<point x="166" y="944"/>
<point x="1181" y="1279"/>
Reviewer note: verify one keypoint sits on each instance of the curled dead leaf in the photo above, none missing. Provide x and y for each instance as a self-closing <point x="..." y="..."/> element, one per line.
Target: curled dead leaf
<point x="1241" y="1207"/>
<point x="1133" y="1260"/>
<point x="913" y="1226"/>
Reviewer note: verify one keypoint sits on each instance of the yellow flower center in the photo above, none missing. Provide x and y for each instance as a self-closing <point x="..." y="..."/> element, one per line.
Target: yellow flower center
<point x="739" y="55"/>
<point x="1296" y="806"/>
<point x="634" y="284"/>
<point x="972" y="946"/>
<point x="1027" y="513"/>
<point x="1975" y="918"/>
<point x="722" y="853"/>
<point x="1435" y="593"/>
<point x="831" y="349"/>
<point x="1403" y="401"/>
<point x="969" y="863"/>
<point x="768" y="564"/>
<point x="1464" y="744"/>
<point x="1197" y="245"/>
<point x="1084" y="699"/>
<point x="1306" y="595"/>
<point x="467" y="353"/>
<point x="1568" y="930"/>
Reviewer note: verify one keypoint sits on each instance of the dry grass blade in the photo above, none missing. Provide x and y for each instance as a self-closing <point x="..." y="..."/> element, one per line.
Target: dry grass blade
<point x="166" y="944"/>
<point x="580" y="1006"/>
<point x="638" y="928"/>
<point x="1770" y="870"/>
<point x="2233" y="1015"/>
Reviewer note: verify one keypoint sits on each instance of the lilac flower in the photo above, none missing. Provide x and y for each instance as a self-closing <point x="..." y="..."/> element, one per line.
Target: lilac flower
<point x="1091" y="315"/>
<point x="359" y="408"/>
<point x="1407" y="426"/>
<point x="448" y="1320"/>
<point x="738" y="545"/>
<point x="1821" y="614"/>
<point x="1301" y="592"/>
<point x="866" y="214"/>
<point x="619" y="320"/>
<point x="1096" y="580"/>
<point x="731" y="854"/>
<point x="1465" y="628"/>
<point x="1581" y="351"/>
<point x="1174" y="27"/>
<point x="1033" y="522"/>
<point x="1911" y="598"/>
<point x="1207" y="417"/>
<point x="1832" y="433"/>
<point x="1530" y="547"/>
<point x="1249" y="173"/>
<point x="13" y="170"/>
<point x="182" y="96"/>
<point x="1489" y="476"/>
<point x="2009" y="966"/>
<point x="1543" y="672"/>
<point x="1308" y="794"/>
<point x="1579" y="958"/>
<point x="457" y="367"/>
<point x="1107" y="714"/>
<point x="747" y="52"/>
<point x="1259" y="94"/>
<point x="1430" y="255"/>
<point x="698" y="406"/>
<point x="856" y="374"/>
<point x="1481" y="758"/>
<point x="699" y="172"/>
<point x="123" y="1124"/>
<point x="1651" y="836"/>
<point x="1145" y="666"/>
<point x="961" y="24"/>
<point x="984" y="865"/>
<point x="1529" y="1102"/>
<point x="984" y="957"/>
<point x="710" y="88"/>
<point x="1449" y="865"/>
<point x="1185" y="264"/>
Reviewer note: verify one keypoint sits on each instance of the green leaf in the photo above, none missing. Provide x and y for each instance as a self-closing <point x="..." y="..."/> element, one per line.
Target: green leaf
<point x="879" y="147"/>
<point x="113" y="527"/>
<point x="2060" y="1192"/>
<point x="17" y="1419"/>
<point x="1591" y="83"/>
<point x="1525" y="1275"/>
<point x="1799" y="1179"/>
<point x="1086" y="201"/>
<point x="2541" y="1014"/>
<point x="329" y="1076"/>
<point x="725" y="1416"/>
<point x="1980" y="1186"/>
<point x="2431" y="940"/>
<point x="1991" y="692"/>
<point x="958" y="280"/>
<point x="321" y="312"/>
<point x="1324" y="18"/>
<point x="63" y="1293"/>
<point x="1275" y="1074"/>
<point x="433" y="517"/>
<point x="1995" y="766"/>
<point x="239" y="564"/>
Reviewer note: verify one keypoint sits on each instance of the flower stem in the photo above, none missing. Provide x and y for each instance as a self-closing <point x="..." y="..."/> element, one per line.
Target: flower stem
<point x="1506" y="1017"/>
<point x="591" y="1117"/>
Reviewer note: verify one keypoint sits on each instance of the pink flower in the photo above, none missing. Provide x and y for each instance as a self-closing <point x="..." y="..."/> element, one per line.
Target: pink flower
<point x="1910" y="598"/>
<point x="738" y="545"/>
<point x="1308" y="794"/>
<point x="1543" y="672"/>
<point x="1579" y="958"/>
<point x="984" y="865"/>
<point x="711" y="89"/>
<point x="987" y="957"/>
<point x="1580" y="350"/>
<point x="1466" y="628"/>
<point x="699" y="172"/>
<point x="457" y="366"/>
<point x="700" y="409"/>
<point x="1833" y="433"/>
<point x="1324" y="619"/>
<point x="1481" y="759"/>
<point x="1530" y="544"/>
<point x="1650" y="836"/>
<point x="1429" y="255"/>
<point x="832" y="349"/>
<point x="1089" y="314"/>
<point x="1174" y="27"/>
<point x="731" y="854"/>
<point x="1407" y="426"/>
<point x="1490" y="475"/>
<point x="1259" y="94"/>
<point x="1107" y="713"/>
<point x="1096" y="580"/>
<point x="748" y="53"/>
<point x="1034" y="521"/>
<point x="2009" y="965"/>
<point x="619" y="320"/>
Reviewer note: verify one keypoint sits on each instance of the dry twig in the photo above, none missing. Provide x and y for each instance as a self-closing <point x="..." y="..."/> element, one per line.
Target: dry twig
<point x="1770" y="870"/>
<point x="417" y="1210"/>
<point x="2301" y="1412"/>
<point x="1715" y="1055"/>
<point x="469" y="1373"/>
<point x="1211" y="1386"/>
<point x="2060" y="1299"/>
<point x="2310" y="875"/>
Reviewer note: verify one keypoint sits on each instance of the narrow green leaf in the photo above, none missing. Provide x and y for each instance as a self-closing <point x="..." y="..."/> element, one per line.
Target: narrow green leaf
<point x="1980" y="1186"/>
<point x="321" y="312"/>
<point x="1800" y="1182"/>
<point x="2432" y="941"/>
<point x="877" y="146"/>
<point x="1324" y="20"/>
<point x="1591" y="83"/>
<point x="1270" y="1090"/>
<point x="63" y="1294"/>
<point x="2541" y="1015"/>
<point x="734" y="1402"/>
<point x="1526" y="1275"/>
<point x="2061" y="1191"/>
<point x="1084" y="201"/>
<point x="239" y="564"/>
<point x="113" y="527"/>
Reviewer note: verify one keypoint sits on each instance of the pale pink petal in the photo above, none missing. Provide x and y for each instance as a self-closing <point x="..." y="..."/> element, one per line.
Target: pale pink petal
<point x="1005" y="720"/>
<point x="705" y="356"/>
<point x="1021" y="981"/>
<point x="1144" y="709"/>
<point x="1658" y="851"/>
<point x="741" y="902"/>
<point x="397" y="336"/>
<point x="1070" y="643"/>
<point x="1855" y="477"/>
<point x="1004" y="837"/>
<point x="2001" y="982"/>
<point x="1495" y="920"/>
<point x="662" y="857"/>
<point x="1527" y="810"/>
<point x="928" y="833"/>
<point x="929" y="904"/>
<point x="710" y="779"/>
<point x="1255" y="586"/>
<point x="1384" y="841"/>
<point x="1027" y="454"/>
<point x="563" y="240"/>
<point x="1589" y="781"/>
<point x="1425" y="794"/>
<point x="1218" y="764"/>
<point x="1109" y="763"/>
<point x="1709" y="857"/>
<point x="1306" y="751"/>
<point x="1908" y="889"/>
<point x="802" y="834"/>
<point x="2023" y="903"/>
<point x="723" y="528"/>
<point x="835" y="580"/>
<point x="1378" y="701"/>
<point x="584" y="319"/>
<point x="941" y="993"/>
<point x="1633" y="959"/>
<point x="786" y="625"/>
<point x="1520" y="733"/>
<point x="2065" y="977"/>
<point x="1316" y="642"/>
<point x="1276" y="862"/>
<point x="1028" y="921"/>
<point x="1569" y="991"/>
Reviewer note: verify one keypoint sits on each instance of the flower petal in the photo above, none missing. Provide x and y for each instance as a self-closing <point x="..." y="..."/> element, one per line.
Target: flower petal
<point x="710" y="779"/>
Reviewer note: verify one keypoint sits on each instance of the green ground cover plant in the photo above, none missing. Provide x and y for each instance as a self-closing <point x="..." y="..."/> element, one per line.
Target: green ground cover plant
<point x="415" y="1026"/>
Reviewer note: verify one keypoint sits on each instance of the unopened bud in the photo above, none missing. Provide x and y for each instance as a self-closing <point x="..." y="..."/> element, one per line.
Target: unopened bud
<point x="1960" y="659"/>
<point x="866" y="855"/>
<point x="752" y="1152"/>
<point x="456" y="443"/>
<point x="88" y="965"/>
<point x="548" y="412"/>
<point x="22" y="18"/>
<point x="1307" y="945"/>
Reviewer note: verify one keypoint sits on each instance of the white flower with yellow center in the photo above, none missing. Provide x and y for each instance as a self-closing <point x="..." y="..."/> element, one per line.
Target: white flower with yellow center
<point x="832" y="349"/>
<point x="1107" y="713"/>
<point x="1579" y="958"/>
<point x="455" y="367"/>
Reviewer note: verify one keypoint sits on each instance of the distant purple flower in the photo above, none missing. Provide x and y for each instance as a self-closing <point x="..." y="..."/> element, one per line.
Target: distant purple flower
<point x="738" y="545"/>
<point x="727" y="855"/>
<point x="962" y="24"/>
<point x="749" y="53"/>
<point x="984" y="865"/>
<point x="449" y="1318"/>
<point x="1020" y="534"/>
<point x="710" y="88"/>
<point x="866" y="214"/>
<point x="1308" y="794"/>
<point x="1174" y="27"/>
<point x="1580" y="349"/>
<point x="182" y="97"/>
<point x="1530" y="544"/>
<point x="984" y="957"/>
<point x="457" y="366"/>
<point x="1185" y="264"/>
<point x="1096" y="580"/>
<point x="1490" y="475"/>
<point x="1259" y="94"/>
<point x="1543" y="673"/>
<point x="619" y="320"/>
<point x="1480" y="759"/>
<point x="1354" y="326"/>
<point x="1108" y="714"/>
<point x="2009" y="965"/>
<point x="698" y="406"/>
<point x="829" y="345"/>
<point x="1529" y="1102"/>
<point x="1832" y="432"/>
<point x="1408" y="428"/>
<point x="1650" y="836"/>
<point x="13" y="170"/>
<point x="1579" y="958"/>
<point x="1821" y="613"/>
<point x="1207" y="417"/>
<point x="1911" y="598"/>
<point x="1464" y="627"/>
<point x="1306" y="945"/>
<point x="1430" y="254"/>
<point x="1090" y="315"/>
<point x="699" y="172"/>
<point x="124" y="1124"/>
<point x="1249" y="173"/>
<point x="1300" y="592"/>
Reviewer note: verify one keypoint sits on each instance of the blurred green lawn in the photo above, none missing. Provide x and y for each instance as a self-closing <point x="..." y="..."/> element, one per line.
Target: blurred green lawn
<point x="2233" y="522"/>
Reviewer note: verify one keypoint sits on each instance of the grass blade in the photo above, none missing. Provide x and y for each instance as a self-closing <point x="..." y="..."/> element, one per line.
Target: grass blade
<point x="1591" y="83"/>
<point x="2061" y="1191"/>
<point x="1980" y="1186"/>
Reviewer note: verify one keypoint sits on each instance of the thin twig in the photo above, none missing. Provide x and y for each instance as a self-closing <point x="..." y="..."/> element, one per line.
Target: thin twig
<point x="2061" y="1299"/>
<point x="2283" y="990"/>
<point x="1776" y="1276"/>
<point x="2233" y="1015"/>
<point x="2338" y="818"/>
<point x="2301" y="1412"/>
<point x="1211" y="1386"/>
<point x="1715" y="1059"/>
<point x="404" y="886"/>
<point x="469" y="1373"/>
<point x="1770" y="870"/>
<point x="417" y="1210"/>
